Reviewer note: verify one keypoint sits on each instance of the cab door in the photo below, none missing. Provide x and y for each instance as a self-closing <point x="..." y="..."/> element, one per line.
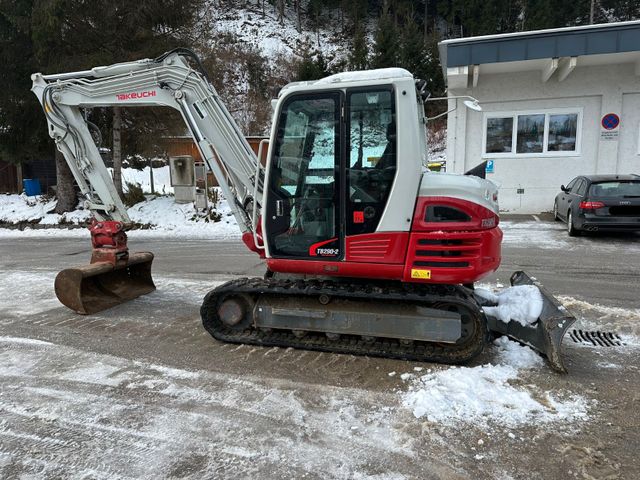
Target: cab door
<point x="303" y="214"/>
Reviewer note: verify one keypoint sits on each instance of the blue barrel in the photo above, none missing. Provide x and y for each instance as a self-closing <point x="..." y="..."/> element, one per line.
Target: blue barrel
<point x="31" y="186"/>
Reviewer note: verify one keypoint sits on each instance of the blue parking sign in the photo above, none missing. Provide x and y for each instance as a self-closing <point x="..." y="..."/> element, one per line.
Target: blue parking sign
<point x="489" y="167"/>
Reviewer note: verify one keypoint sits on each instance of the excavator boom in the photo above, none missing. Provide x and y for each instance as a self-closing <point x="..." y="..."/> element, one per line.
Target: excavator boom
<point x="115" y="276"/>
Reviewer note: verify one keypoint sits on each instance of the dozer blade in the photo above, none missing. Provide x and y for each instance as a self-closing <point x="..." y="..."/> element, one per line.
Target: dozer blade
<point x="95" y="287"/>
<point x="546" y="334"/>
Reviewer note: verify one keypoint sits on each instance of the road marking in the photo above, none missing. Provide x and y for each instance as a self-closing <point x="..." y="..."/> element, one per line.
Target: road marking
<point x="536" y="217"/>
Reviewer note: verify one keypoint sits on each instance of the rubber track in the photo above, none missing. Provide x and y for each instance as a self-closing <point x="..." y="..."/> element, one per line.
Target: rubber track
<point x="425" y="295"/>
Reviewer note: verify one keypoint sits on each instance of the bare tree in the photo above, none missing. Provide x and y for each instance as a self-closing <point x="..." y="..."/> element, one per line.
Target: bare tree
<point x="280" y="5"/>
<point x="117" y="150"/>
<point x="65" y="190"/>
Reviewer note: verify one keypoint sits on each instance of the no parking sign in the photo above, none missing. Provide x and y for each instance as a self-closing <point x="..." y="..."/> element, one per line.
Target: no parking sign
<point x="610" y="123"/>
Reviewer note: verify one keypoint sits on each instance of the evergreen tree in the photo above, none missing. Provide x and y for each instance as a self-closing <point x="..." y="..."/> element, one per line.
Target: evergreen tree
<point x="359" y="56"/>
<point x="307" y="69"/>
<point x="413" y="52"/>
<point x="69" y="35"/>
<point x="385" y="48"/>
<point x="311" y="68"/>
<point x="23" y="134"/>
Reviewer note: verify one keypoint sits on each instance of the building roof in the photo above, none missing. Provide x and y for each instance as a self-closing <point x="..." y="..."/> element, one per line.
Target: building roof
<point x="608" y="178"/>
<point x="552" y="43"/>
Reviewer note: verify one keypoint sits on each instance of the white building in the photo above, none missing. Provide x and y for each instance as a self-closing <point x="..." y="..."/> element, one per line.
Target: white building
<point x="555" y="104"/>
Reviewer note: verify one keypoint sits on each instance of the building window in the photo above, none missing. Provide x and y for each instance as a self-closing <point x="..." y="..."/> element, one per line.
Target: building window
<point x="563" y="131"/>
<point x="499" y="132"/>
<point x="530" y="134"/>
<point x="549" y="133"/>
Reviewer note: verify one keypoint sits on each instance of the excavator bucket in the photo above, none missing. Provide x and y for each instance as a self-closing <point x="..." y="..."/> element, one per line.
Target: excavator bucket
<point x="545" y="335"/>
<point x="95" y="287"/>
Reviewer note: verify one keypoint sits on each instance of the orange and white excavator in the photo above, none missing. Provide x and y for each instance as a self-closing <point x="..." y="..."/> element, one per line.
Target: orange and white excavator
<point x="366" y="252"/>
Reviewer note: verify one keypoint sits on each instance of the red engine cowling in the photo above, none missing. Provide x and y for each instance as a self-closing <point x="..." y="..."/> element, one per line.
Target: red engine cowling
<point x="452" y="241"/>
<point x="443" y="251"/>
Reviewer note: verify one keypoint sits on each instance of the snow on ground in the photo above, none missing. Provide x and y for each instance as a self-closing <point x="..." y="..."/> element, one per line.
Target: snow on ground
<point x="491" y="395"/>
<point x="553" y="235"/>
<point x="542" y="234"/>
<point x="21" y="208"/>
<point x="273" y="38"/>
<point x="161" y="179"/>
<point x="161" y="214"/>
<point x="593" y="316"/>
<point x="156" y="421"/>
<point x="168" y="218"/>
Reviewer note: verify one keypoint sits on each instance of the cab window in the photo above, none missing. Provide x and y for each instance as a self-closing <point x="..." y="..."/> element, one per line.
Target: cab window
<point x="371" y="157"/>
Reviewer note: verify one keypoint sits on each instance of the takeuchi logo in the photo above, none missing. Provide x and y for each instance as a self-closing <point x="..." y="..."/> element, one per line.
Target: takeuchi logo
<point x="135" y="95"/>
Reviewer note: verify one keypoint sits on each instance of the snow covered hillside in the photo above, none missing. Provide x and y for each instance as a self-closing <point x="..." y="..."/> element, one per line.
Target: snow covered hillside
<point x="256" y="23"/>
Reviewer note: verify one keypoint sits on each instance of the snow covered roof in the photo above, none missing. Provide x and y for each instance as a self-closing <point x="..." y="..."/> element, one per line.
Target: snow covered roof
<point x="363" y="75"/>
<point x="353" y="77"/>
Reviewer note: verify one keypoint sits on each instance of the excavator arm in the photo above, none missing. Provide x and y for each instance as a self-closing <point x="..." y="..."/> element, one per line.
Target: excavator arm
<point x="114" y="275"/>
<point x="169" y="81"/>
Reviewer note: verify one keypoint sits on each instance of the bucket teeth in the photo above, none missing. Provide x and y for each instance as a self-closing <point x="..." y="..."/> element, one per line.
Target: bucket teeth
<point x="98" y="286"/>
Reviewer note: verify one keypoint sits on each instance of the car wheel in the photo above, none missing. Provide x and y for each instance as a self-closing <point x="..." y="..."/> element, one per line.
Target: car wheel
<point x="571" y="229"/>
<point x="555" y="211"/>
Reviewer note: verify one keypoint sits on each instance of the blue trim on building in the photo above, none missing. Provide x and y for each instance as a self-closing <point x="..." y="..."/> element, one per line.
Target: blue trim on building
<point x="565" y="42"/>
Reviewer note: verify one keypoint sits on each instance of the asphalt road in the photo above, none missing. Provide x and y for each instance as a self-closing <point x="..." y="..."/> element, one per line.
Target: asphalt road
<point x="141" y="391"/>
<point x="601" y="268"/>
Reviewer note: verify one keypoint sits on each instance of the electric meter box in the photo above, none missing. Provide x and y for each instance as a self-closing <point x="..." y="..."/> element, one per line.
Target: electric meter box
<point x="183" y="178"/>
<point x="182" y="171"/>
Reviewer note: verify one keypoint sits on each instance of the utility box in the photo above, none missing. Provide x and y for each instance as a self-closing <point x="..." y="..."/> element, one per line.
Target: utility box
<point x="201" y="186"/>
<point x="183" y="178"/>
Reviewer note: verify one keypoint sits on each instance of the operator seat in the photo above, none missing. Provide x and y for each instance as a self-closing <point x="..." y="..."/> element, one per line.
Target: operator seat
<point x="388" y="158"/>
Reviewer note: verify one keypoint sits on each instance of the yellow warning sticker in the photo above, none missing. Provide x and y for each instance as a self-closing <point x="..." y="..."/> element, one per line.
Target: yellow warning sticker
<point x="424" y="274"/>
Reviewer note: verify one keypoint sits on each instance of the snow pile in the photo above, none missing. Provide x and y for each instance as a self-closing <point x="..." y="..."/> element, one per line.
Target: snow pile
<point x="485" y="395"/>
<point x="522" y="304"/>
<point x="516" y="355"/>
<point x="161" y="179"/>
<point x="39" y="209"/>
<point x="161" y="214"/>
<point x="167" y="217"/>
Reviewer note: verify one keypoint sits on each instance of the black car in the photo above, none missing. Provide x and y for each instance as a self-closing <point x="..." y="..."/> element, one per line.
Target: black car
<point x="599" y="203"/>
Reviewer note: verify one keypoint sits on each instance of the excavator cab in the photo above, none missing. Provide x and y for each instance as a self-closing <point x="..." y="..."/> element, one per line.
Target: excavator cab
<point x="324" y="185"/>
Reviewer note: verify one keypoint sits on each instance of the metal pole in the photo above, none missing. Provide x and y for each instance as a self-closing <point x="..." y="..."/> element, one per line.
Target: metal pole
<point x="153" y="190"/>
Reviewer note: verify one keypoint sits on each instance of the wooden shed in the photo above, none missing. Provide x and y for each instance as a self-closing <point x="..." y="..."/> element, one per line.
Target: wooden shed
<point x="10" y="178"/>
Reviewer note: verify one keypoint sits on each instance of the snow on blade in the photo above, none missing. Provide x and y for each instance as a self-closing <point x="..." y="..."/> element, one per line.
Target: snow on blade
<point x="522" y="303"/>
<point x="484" y="395"/>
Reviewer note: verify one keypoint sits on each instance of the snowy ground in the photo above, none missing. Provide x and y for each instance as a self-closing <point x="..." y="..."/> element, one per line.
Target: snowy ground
<point x="160" y="215"/>
<point x="141" y="391"/>
<point x="64" y="404"/>
<point x="549" y="235"/>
